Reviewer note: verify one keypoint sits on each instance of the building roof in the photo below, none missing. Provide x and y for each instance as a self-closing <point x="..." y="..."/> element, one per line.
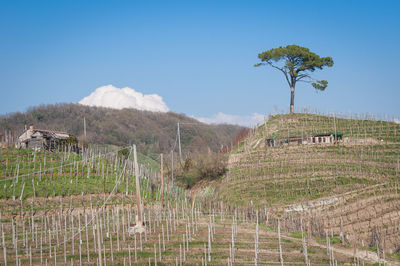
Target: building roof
<point x="338" y="134"/>
<point x="28" y="134"/>
<point x="53" y="134"/>
<point x="327" y="134"/>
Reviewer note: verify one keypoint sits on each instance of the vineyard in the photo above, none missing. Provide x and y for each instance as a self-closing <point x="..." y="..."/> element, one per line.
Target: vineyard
<point x="349" y="190"/>
<point x="322" y="204"/>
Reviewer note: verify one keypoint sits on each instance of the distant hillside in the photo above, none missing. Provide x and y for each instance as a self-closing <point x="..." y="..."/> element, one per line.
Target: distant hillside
<point x="152" y="132"/>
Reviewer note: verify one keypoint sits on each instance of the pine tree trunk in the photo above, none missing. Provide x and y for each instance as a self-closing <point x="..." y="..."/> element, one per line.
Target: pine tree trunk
<point x="292" y="100"/>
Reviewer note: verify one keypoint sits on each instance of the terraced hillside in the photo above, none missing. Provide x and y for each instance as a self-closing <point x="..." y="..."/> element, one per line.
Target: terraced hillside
<point x="67" y="209"/>
<point x="350" y="189"/>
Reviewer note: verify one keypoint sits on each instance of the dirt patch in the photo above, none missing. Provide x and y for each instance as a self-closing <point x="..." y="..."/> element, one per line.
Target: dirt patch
<point x="4" y="145"/>
<point x="311" y="204"/>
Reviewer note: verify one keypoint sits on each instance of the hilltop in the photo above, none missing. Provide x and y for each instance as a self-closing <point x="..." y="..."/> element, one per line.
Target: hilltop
<point x="152" y="132"/>
<point x="349" y="189"/>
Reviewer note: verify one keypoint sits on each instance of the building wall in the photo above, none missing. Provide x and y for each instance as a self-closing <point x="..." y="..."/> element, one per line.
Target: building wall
<point x="35" y="144"/>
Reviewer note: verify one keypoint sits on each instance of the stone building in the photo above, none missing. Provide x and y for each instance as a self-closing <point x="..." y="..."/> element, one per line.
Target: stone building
<point x="48" y="140"/>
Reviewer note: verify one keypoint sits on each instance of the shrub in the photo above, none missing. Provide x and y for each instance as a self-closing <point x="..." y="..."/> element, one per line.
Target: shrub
<point x="211" y="166"/>
<point x="204" y="167"/>
<point x="124" y="153"/>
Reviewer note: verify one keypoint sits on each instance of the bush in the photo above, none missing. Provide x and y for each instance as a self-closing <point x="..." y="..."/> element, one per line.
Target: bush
<point x="212" y="166"/>
<point x="123" y="153"/>
<point x="204" y="167"/>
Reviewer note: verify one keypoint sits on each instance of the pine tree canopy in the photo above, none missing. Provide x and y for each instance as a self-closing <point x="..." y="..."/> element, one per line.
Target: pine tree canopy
<point x="296" y="63"/>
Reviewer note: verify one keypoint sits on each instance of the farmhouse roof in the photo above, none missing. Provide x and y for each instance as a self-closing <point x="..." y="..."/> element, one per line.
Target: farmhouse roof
<point x="51" y="133"/>
<point x="338" y="134"/>
<point x="34" y="132"/>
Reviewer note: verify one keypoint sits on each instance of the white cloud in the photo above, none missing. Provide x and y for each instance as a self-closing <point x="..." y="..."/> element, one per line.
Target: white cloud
<point x="242" y="120"/>
<point x="113" y="97"/>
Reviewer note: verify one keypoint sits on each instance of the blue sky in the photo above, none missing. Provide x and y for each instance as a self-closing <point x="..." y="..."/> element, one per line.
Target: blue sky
<point x="199" y="55"/>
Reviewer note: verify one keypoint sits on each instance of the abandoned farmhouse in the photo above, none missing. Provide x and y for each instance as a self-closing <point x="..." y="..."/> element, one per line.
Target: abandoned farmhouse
<point x="46" y="140"/>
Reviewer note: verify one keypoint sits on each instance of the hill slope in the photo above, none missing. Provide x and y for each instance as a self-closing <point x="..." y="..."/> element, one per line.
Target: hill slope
<point x="79" y="208"/>
<point x="74" y="206"/>
<point x="152" y="132"/>
<point x="349" y="189"/>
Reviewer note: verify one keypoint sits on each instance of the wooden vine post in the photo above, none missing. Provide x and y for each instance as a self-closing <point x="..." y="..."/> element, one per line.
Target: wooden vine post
<point x="162" y="178"/>
<point x="139" y="227"/>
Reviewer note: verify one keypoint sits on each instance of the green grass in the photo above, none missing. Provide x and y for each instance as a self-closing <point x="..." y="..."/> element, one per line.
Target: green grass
<point x="334" y="240"/>
<point x="296" y="235"/>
